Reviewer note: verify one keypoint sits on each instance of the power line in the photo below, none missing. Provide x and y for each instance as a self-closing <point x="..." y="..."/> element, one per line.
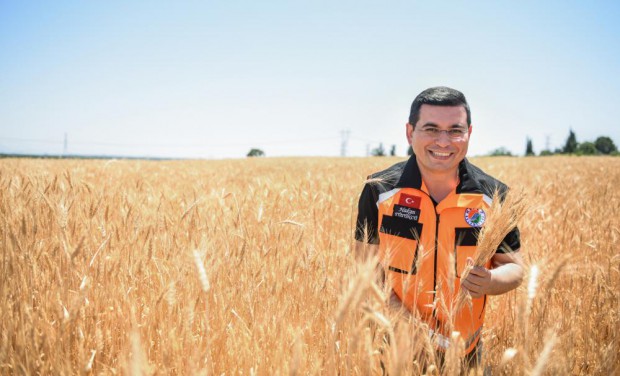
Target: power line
<point x="30" y="140"/>
<point x="180" y="145"/>
<point x="364" y="139"/>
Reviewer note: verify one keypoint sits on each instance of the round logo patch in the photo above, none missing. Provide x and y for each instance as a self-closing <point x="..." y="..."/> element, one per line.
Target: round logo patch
<point x="475" y="217"/>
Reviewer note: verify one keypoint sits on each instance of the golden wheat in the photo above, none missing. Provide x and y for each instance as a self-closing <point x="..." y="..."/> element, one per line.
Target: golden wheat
<point x="100" y="275"/>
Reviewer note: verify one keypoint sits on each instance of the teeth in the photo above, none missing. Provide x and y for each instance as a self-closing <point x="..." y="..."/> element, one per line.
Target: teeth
<point x="440" y="154"/>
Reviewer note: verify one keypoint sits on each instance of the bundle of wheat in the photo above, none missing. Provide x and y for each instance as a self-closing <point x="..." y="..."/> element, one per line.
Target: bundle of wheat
<point x="503" y="216"/>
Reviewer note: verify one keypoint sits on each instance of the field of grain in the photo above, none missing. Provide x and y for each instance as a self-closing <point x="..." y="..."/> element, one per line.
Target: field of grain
<point x="246" y="267"/>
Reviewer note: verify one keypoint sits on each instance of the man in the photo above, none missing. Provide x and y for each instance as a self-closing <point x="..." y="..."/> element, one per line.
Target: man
<point x="422" y="218"/>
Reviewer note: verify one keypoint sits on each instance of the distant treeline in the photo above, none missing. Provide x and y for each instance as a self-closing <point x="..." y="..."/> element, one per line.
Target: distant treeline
<point x="603" y="145"/>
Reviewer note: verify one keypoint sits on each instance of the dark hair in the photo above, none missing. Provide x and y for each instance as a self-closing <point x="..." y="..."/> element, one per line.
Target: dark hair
<point x="438" y="96"/>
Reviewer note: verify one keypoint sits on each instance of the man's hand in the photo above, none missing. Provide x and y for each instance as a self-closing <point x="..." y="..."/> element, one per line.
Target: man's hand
<point x="478" y="281"/>
<point x="506" y="274"/>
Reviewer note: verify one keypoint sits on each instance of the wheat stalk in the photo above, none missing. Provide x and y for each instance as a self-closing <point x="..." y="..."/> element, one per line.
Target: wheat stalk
<point x="502" y="217"/>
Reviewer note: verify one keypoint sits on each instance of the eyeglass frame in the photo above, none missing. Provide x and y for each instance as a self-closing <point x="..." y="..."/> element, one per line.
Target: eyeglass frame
<point x="435" y="132"/>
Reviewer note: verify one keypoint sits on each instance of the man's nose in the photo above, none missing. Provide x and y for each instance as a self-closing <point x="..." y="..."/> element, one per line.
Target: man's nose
<point x="443" y="139"/>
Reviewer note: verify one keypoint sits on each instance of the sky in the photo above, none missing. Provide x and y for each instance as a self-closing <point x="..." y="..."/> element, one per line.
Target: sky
<point x="213" y="79"/>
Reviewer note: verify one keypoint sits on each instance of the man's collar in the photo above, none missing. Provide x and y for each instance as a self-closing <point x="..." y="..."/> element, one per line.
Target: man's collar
<point x="468" y="183"/>
<point x="412" y="178"/>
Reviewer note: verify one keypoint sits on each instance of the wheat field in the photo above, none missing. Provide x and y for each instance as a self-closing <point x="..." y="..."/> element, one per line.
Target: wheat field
<point x="246" y="267"/>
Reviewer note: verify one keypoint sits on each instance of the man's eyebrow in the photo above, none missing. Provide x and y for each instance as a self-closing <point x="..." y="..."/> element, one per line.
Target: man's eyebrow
<point x="430" y="125"/>
<point x="433" y="125"/>
<point x="458" y="126"/>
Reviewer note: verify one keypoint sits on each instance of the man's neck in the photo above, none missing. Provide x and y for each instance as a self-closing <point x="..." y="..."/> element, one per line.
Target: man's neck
<point x="440" y="184"/>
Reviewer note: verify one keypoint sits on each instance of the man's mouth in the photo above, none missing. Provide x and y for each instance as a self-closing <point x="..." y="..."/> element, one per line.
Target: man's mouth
<point x="439" y="154"/>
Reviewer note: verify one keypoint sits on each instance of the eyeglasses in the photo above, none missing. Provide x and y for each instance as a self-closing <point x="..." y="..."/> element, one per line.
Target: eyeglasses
<point x="453" y="134"/>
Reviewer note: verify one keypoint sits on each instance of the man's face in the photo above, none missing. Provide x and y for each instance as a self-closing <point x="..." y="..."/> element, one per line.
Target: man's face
<point x="438" y="151"/>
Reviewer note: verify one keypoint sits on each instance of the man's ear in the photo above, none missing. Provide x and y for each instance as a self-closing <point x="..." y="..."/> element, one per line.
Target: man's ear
<point x="409" y="132"/>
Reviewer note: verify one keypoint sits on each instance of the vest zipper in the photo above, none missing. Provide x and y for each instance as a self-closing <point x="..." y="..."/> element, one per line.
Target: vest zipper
<point x="435" y="265"/>
<point x="435" y="258"/>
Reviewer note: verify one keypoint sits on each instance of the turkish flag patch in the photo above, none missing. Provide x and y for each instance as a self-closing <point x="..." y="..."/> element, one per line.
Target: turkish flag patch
<point x="409" y="201"/>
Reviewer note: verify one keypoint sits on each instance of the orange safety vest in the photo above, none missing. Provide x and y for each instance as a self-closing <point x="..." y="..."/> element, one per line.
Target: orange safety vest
<point x="424" y="246"/>
<point x="419" y="262"/>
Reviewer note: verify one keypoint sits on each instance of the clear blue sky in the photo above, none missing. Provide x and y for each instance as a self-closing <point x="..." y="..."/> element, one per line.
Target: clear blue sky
<point x="213" y="79"/>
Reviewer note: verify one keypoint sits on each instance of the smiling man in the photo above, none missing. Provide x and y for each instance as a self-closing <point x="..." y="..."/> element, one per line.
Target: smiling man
<point x="422" y="218"/>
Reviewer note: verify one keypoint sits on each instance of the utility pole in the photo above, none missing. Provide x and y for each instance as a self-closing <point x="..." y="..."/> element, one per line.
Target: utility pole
<point x="547" y="142"/>
<point x="66" y="147"/>
<point x="344" y="134"/>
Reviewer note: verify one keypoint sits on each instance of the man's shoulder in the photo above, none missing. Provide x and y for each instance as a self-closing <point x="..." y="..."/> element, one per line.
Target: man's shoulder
<point x="387" y="179"/>
<point x="485" y="182"/>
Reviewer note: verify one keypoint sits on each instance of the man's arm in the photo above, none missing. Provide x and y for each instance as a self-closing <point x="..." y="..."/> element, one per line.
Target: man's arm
<point x="367" y="239"/>
<point x="506" y="275"/>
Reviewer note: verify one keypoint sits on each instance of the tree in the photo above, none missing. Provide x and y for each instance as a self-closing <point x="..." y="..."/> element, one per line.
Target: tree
<point x="393" y="150"/>
<point x="501" y="151"/>
<point x="256" y="153"/>
<point x="605" y="145"/>
<point x="378" y="151"/>
<point x="529" y="150"/>
<point x="571" y="143"/>
<point x="546" y="153"/>
<point x="586" y="148"/>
